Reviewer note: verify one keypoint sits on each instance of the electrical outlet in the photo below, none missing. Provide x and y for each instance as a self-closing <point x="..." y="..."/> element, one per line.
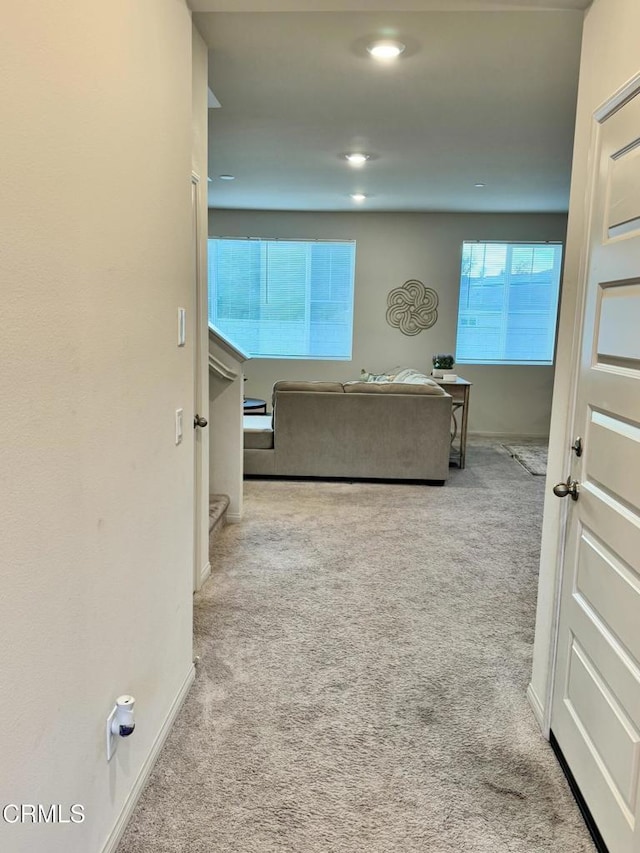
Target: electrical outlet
<point x="112" y="740"/>
<point x="179" y="429"/>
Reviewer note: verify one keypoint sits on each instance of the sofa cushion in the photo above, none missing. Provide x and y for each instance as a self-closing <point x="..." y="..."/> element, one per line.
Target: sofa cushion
<point x="398" y="374"/>
<point x="304" y="385"/>
<point x="258" y="432"/>
<point x="413" y="377"/>
<point x="356" y="387"/>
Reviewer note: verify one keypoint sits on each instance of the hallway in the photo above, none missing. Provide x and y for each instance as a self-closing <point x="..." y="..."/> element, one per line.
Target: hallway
<point x="364" y="655"/>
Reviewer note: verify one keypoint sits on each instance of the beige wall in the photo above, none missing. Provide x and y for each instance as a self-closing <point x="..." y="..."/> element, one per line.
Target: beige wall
<point x="393" y="247"/>
<point x="96" y="504"/>
<point x="609" y="59"/>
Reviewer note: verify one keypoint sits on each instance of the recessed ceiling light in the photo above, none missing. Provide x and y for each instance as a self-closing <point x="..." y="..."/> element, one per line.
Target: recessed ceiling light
<point x="357" y="158"/>
<point x="209" y="179"/>
<point x="227" y="177"/>
<point x="386" y="49"/>
<point x="479" y="185"/>
<point x="358" y="197"/>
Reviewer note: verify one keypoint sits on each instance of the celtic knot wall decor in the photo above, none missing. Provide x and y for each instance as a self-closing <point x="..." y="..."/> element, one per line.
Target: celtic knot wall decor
<point x="412" y="307"/>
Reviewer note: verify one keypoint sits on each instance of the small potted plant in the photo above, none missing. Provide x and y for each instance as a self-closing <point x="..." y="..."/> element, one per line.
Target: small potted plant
<point x="442" y="364"/>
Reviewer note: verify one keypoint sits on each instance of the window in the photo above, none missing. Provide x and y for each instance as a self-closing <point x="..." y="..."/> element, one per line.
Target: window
<point x="508" y="303"/>
<point x="283" y="298"/>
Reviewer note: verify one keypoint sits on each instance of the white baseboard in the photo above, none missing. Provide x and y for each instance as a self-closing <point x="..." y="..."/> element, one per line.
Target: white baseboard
<point x="537" y="708"/>
<point x="205" y="571"/>
<point x="134" y="794"/>
<point x="508" y="436"/>
<point x="234" y="518"/>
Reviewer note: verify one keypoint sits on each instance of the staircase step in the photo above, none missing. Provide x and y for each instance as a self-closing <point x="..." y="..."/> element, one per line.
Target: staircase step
<point x="217" y="511"/>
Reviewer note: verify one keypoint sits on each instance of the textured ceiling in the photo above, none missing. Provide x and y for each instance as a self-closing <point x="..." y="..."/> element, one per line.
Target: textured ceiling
<point x="476" y="97"/>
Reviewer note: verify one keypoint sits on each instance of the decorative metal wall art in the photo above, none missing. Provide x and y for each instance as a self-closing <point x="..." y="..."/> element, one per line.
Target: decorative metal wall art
<point x="412" y="307"/>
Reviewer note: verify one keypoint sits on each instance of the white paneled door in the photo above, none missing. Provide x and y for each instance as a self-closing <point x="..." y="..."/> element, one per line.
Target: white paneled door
<point x="596" y="700"/>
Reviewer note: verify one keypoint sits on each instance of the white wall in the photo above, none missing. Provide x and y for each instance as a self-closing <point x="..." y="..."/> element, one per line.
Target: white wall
<point x="225" y="417"/>
<point x="96" y="503"/>
<point x="391" y="248"/>
<point x="609" y="59"/>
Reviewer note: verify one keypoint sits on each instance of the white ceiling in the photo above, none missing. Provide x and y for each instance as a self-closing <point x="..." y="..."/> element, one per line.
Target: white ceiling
<point x="477" y="97"/>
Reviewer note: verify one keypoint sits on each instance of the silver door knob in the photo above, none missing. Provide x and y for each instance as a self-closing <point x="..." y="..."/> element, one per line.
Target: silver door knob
<point x="561" y="490"/>
<point x="199" y="421"/>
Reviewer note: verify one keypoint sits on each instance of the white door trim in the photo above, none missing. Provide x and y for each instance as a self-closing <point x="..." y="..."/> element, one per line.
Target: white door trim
<point x="201" y="566"/>
<point x="600" y="115"/>
<point x="617" y="100"/>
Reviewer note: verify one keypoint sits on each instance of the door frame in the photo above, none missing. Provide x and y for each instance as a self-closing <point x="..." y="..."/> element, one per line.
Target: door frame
<point x="563" y="433"/>
<point x="201" y="564"/>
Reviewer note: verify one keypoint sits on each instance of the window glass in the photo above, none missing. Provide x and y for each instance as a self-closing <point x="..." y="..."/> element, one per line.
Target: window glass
<point x="283" y="298"/>
<point x="508" y="303"/>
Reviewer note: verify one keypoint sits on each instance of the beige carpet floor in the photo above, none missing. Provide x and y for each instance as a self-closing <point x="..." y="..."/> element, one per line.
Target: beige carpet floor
<point x="365" y="651"/>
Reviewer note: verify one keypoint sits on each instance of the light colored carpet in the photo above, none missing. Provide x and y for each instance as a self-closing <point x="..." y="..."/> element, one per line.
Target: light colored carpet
<point x="365" y="651"/>
<point x="532" y="457"/>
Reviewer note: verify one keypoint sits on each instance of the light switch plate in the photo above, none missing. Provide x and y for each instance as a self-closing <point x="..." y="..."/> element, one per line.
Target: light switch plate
<point x="182" y="326"/>
<point x="179" y="420"/>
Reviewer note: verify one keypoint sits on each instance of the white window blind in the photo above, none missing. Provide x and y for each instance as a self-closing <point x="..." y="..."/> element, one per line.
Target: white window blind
<point x="508" y="303"/>
<point x="283" y="298"/>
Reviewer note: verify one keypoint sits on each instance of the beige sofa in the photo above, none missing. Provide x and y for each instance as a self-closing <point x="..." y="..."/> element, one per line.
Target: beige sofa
<point x="355" y="430"/>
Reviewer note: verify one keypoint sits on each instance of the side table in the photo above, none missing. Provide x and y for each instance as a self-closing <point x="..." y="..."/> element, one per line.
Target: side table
<point x="459" y="390"/>
<point x="254" y="406"/>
